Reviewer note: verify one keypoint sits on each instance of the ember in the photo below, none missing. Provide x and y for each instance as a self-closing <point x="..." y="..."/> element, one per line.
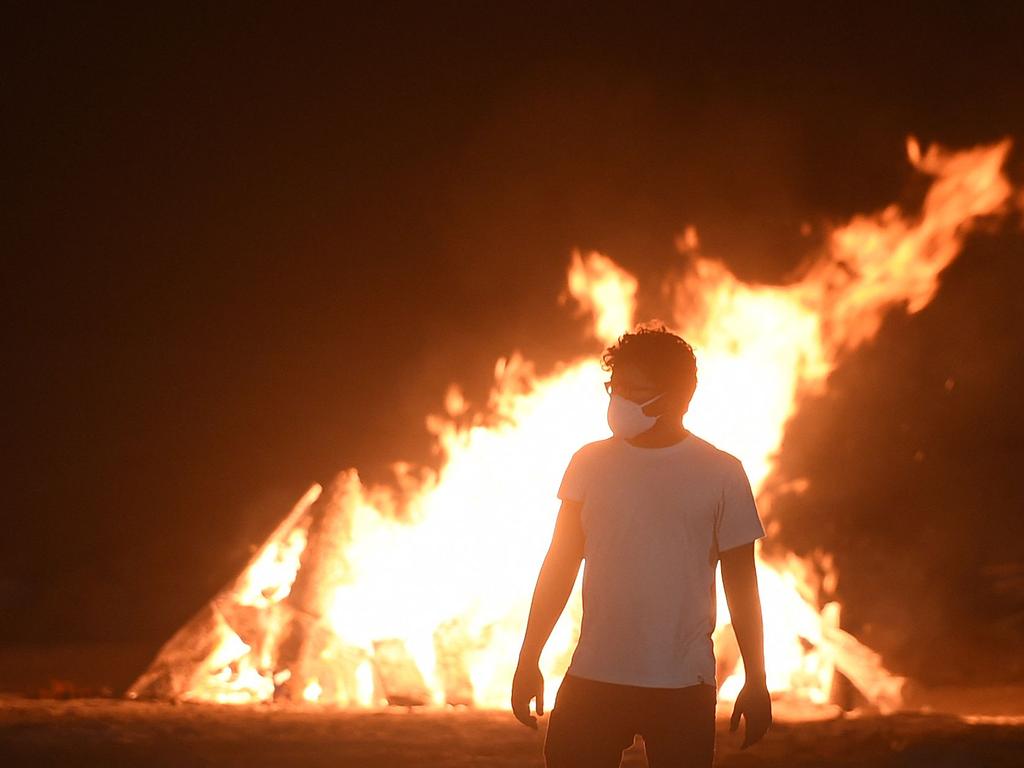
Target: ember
<point x="370" y="595"/>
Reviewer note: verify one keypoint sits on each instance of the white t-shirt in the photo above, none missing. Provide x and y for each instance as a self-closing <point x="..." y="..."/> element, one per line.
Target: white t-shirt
<point x="654" y="521"/>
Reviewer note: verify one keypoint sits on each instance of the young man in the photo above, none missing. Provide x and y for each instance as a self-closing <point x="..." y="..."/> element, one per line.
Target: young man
<point x="652" y="510"/>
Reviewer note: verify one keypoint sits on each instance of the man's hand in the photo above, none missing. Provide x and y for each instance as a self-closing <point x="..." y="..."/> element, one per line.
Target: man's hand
<point x="755" y="705"/>
<point x="527" y="684"/>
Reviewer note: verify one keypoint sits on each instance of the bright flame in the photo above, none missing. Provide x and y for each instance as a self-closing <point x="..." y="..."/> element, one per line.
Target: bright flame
<point x="419" y="595"/>
<point x="605" y="292"/>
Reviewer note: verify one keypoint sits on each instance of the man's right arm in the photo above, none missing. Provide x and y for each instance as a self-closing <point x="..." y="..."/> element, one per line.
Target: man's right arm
<point x="554" y="585"/>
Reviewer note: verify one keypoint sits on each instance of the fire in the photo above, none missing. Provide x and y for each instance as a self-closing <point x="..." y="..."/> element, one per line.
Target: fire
<point x="418" y="593"/>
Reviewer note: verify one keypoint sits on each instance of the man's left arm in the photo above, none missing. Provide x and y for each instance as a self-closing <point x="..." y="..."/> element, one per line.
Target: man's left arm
<point x="739" y="578"/>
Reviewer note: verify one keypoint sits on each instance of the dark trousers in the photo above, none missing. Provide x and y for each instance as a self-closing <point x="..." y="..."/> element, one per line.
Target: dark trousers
<point x="593" y="722"/>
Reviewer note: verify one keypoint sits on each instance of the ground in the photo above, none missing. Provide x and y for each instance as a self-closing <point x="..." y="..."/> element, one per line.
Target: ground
<point x="111" y="732"/>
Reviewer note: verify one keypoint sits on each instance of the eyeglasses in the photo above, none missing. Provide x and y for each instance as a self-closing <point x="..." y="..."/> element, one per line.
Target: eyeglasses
<point x="629" y="392"/>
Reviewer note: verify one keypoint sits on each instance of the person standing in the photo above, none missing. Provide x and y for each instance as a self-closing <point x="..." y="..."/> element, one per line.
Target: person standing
<point x="651" y="510"/>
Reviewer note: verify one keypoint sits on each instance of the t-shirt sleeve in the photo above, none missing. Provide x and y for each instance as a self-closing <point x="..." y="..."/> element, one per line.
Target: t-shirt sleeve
<point x="738" y="521"/>
<point x="573" y="483"/>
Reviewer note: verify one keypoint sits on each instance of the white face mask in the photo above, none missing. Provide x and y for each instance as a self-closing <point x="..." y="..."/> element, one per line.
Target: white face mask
<point x="627" y="419"/>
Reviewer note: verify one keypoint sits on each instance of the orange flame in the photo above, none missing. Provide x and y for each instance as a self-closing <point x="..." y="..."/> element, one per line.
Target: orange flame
<point x="420" y="595"/>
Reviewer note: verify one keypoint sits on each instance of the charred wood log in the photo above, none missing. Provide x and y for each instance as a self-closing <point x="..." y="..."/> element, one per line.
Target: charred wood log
<point x="322" y="566"/>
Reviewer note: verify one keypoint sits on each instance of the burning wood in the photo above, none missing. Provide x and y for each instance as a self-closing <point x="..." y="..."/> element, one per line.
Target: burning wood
<point x="350" y="603"/>
<point x="306" y="638"/>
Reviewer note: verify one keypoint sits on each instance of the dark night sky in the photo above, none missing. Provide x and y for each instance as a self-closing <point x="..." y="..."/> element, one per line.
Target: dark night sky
<point x="246" y="248"/>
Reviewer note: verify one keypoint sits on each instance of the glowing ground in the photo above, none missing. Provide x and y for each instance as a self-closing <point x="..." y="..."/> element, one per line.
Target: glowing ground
<point x="112" y="732"/>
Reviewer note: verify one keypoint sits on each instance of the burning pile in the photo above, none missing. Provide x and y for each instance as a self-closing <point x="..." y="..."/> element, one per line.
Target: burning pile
<point x="418" y="593"/>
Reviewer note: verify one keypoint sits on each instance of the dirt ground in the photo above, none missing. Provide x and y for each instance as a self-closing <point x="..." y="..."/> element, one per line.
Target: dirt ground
<point x="111" y="732"/>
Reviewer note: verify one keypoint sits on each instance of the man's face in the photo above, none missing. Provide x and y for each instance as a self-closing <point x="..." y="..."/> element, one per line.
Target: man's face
<point x="630" y="382"/>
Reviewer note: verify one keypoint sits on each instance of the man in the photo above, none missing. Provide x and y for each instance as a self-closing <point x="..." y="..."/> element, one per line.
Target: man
<point x="652" y="510"/>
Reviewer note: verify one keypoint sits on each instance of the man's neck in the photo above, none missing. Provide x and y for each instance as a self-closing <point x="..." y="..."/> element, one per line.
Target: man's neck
<point x="661" y="435"/>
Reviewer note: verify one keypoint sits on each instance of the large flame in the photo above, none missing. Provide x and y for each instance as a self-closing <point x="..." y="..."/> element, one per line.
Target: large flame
<point x="419" y="593"/>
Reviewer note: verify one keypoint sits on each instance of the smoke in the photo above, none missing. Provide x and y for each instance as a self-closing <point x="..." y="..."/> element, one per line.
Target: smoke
<point x="911" y="454"/>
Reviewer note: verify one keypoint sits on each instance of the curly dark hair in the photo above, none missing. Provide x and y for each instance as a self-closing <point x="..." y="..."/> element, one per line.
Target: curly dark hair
<point x="660" y="354"/>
